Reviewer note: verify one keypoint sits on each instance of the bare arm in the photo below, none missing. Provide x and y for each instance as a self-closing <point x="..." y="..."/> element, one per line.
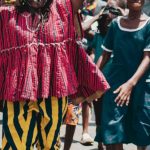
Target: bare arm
<point x="87" y="24"/>
<point x="124" y="91"/>
<point x="103" y="59"/>
<point x="76" y="5"/>
<point x="145" y="64"/>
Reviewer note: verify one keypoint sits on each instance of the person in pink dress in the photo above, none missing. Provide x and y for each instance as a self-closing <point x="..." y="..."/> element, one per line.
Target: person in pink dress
<point x="41" y="64"/>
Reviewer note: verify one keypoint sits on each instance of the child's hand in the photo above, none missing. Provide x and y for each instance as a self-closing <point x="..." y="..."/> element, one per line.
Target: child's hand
<point x="124" y="93"/>
<point x="96" y="95"/>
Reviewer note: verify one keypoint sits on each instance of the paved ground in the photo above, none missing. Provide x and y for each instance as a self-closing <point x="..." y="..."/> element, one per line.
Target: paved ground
<point x="76" y="142"/>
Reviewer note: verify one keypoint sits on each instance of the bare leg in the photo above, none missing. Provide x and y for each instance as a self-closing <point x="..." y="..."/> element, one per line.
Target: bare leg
<point x="85" y="116"/>
<point x="70" y="129"/>
<point x="97" y="109"/>
<point x="86" y="138"/>
<point x="114" y="147"/>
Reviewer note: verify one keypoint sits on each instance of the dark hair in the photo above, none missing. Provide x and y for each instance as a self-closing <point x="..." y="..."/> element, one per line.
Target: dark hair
<point x="105" y="18"/>
<point x="89" y="50"/>
<point x="24" y="6"/>
<point x="112" y="10"/>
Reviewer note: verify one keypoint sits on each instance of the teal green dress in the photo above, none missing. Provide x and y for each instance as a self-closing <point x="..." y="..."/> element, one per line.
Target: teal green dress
<point x="96" y="43"/>
<point x="127" y="124"/>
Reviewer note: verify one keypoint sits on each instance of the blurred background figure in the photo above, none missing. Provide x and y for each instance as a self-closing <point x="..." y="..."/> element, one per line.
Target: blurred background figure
<point x="146" y="7"/>
<point x="99" y="5"/>
<point x="95" y="25"/>
<point x="126" y="120"/>
<point x="109" y="13"/>
<point x="71" y="121"/>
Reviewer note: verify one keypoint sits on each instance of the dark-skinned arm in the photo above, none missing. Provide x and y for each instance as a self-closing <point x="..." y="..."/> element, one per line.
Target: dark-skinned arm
<point x="124" y="91"/>
<point x="87" y="24"/>
<point x="103" y="59"/>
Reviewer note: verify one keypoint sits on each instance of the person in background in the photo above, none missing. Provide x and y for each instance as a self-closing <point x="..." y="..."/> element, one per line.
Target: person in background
<point x="86" y="139"/>
<point x="118" y="6"/>
<point x="100" y="4"/>
<point x="41" y="64"/>
<point x="71" y="120"/>
<point x="146" y="7"/>
<point x="127" y="119"/>
<point x="108" y="14"/>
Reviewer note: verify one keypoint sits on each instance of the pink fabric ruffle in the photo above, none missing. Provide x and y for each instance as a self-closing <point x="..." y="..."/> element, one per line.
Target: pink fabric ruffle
<point x="45" y="62"/>
<point x="43" y="71"/>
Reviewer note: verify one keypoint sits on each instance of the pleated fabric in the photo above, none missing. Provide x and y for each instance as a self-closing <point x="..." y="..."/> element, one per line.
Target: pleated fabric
<point x="40" y="61"/>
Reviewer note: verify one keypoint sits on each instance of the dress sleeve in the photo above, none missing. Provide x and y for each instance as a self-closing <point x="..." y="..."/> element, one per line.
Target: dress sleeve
<point x="147" y="43"/>
<point x="108" y="42"/>
<point x="89" y="77"/>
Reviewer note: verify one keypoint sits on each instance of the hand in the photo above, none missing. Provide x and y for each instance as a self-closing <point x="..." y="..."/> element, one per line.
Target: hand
<point x="94" y="96"/>
<point x="124" y="93"/>
<point x="78" y="100"/>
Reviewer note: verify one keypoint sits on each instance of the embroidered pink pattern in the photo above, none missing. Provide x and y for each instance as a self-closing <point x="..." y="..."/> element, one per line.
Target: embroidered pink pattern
<point x="44" y="62"/>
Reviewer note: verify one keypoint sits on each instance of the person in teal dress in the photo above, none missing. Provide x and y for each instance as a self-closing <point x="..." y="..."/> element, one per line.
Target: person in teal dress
<point x="126" y="106"/>
<point x="108" y="14"/>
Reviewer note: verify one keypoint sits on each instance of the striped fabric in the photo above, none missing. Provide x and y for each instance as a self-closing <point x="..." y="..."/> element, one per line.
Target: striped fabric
<point x="38" y="61"/>
<point x="24" y="121"/>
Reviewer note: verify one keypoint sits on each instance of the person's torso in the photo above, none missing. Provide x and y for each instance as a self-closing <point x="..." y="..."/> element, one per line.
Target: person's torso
<point x="19" y="29"/>
<point x="128" y="49"/>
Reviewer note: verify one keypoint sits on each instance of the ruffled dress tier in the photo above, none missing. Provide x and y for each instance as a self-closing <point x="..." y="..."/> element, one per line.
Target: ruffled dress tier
<point x="39" y="61"/>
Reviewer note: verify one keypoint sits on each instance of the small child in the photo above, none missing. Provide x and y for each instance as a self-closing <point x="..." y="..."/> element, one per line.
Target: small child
<point x="126" y="106"/>
<point x="108" y="14"/>
<point x="41" y="64"/>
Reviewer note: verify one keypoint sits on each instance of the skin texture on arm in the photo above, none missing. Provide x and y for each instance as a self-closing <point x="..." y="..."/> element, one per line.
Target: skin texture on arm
<point x="103" y="59"/>
<point x="144" y="66"/>
<point x="87" y="24"/>
<point x="124" y="91"/>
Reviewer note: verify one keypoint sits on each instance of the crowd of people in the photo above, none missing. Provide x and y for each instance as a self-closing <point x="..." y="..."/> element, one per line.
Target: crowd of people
<point x="60" y="58"/>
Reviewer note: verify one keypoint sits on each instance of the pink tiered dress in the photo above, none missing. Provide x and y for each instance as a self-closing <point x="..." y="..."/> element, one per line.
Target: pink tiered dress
<point x="45" y="60"/>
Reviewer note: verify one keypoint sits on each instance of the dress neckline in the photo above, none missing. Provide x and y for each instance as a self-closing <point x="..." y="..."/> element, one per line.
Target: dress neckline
<point x="130" y="30"/>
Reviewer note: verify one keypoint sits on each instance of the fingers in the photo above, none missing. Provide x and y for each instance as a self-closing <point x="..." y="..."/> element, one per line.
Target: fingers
<point x="120" y="95"/>
<point x="117" y="90"/>
<point x="123" y="94"/>
<point x="96" y="95"/>
<point x="128" y="99"/>
<point x="122" y="99"/>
